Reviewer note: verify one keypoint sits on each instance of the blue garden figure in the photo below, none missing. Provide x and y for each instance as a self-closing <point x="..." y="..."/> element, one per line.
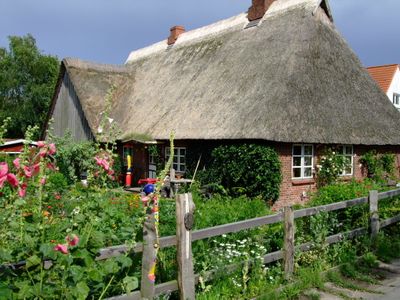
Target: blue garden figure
<point x="148" y="188"/>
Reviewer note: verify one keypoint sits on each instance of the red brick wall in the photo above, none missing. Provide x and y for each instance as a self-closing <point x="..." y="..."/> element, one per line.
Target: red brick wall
<point x="297" y="191"/>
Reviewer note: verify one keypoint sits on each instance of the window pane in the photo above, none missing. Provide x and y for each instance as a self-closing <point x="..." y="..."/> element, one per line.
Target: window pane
<point x="182" y="160"/>
<point x="296" y="150"/>
<point x="167" y="151"/>
<point x="308" y="150"/>
<point x="348" y="171"/>
<point x="296" y="173"/>
<point x="296" y="161"/>
<point x="175" y="159"/>
<point x="348" y="150"/>
<point x="182" y="151"/>
<point x="175" y="166"/>
<point x="308" y="161"/>
<point x="307" y="172"/>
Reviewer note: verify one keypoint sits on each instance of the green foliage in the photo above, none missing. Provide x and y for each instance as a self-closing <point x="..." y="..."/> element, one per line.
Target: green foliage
<point x="27" y="81"/>
<point x="378" y="165"/>
<point x="343" y="191"/>
<point x="57" y="183"/>
<point x="3" y="128"/>
<point x="388" y="247"/>
<point x="73" y="158"/>
<point x="250" y="169"/>
<point x="330" y="167"/>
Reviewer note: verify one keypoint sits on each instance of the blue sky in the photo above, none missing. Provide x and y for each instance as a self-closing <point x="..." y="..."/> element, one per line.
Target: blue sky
<point x="107" y="30"/>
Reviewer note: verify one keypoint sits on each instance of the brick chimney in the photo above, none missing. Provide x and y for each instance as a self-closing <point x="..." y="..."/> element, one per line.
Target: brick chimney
<point x="258" y="9"/>
<point x="176" y="31"/>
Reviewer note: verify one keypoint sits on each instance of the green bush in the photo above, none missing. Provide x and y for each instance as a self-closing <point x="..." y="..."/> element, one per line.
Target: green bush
<point x="330" y="166"/>
<point x="57" y="182"/>
<point x="73" y="158"/>
<point x="253" y="170"/>
<point x="378" y="165"/>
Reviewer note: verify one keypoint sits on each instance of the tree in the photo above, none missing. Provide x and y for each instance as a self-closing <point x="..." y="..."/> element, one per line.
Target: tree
<point x="27" y="81"/>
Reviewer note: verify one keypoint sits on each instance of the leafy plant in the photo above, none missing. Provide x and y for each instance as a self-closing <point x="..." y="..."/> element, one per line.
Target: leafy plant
<point x="378" y="165"/>
<point x="254" y="170"/>
<point x="330" y="167"/>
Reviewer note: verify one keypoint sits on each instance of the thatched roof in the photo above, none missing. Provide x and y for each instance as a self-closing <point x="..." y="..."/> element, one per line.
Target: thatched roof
<point x="291" y="78"/>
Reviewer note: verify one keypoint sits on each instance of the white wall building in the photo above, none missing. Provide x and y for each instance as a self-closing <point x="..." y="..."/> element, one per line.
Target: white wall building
<point x="388" y="78"/>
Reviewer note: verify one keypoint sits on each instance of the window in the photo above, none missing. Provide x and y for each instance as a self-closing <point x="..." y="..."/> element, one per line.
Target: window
<point x="347" y="152"/>
<point x="127" y="150"/>
<point x="179" y="163"/>
<point x="302" y="161"/>
<point x="396" y="99"/>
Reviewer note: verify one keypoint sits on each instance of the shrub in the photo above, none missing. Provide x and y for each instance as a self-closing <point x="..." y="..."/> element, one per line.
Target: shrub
<point x="378" y="165"/>
<point x="330" y="166"/>
<point x="250" y="169"/>
<point x="73" y="158"/>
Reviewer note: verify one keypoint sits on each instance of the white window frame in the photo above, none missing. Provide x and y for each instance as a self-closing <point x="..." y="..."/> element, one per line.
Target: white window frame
<point x="178" y="165"/>
<point x="303" y="166"/>
<point x="396" y="99"/>
<point x="343" y="153"/>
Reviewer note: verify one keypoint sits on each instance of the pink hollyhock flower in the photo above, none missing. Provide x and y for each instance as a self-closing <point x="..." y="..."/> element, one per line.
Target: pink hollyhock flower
<point x="12" y="180"/>
<point x="61" y="248"/>
<point x="3" y="169"/>
<point x="57" y="196"/>
<point x="145" y="199"/>
<point x="105" y="165"/>
<point x="72" y="241"/>
<point x="52" y="149"/>
<point x="35" y="169"/>
<point x="41" y="144"/>
<point x="110" y="172"/>
<point x="22" y="190"/>
<point x="51" y="166"/>
<point x="3" y="173"/>
<point x="43" y="152"/>
<point x="16" y="163"/>
<point x="2" y="180"/>
<point x="28" y="172"/>
<point x="43" y="180"/>
<point x="98" y="160"/>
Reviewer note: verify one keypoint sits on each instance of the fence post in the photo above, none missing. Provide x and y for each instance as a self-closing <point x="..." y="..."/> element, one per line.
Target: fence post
<point x="149" y="256"/>
<point x="184" y="224"/>
<point x="288" y="243"/>
<point x="374" y="215"/>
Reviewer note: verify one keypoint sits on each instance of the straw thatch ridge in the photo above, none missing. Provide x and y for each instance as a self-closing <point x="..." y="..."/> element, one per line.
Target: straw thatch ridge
<point x="292" y="78"/>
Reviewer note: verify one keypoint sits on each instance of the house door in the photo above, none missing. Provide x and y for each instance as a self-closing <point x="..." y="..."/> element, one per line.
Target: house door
<point x="152" y="166"/>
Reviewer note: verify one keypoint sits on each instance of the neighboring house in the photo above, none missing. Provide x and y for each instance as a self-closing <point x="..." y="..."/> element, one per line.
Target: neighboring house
<point x="279" y="75"/>
<point x="14" y="146"/>
<point x="388" y="79"/>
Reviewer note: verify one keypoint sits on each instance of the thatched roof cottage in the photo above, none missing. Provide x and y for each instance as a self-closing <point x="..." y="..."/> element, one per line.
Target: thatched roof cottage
<point x="279" y="74"/>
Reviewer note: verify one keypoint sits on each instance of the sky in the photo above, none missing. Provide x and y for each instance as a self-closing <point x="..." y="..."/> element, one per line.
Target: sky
<point x="107" y="31"/>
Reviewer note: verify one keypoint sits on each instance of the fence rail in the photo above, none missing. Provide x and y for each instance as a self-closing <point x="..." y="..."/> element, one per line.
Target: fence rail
<point x="286" y="254"/>
<point x="170" y="241"/>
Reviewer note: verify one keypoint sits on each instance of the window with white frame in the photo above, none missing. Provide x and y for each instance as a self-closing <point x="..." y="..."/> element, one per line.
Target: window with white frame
<point x="396" y="99"/>
<point x="179" y="162"/>
<point x="347" y="152"/>
<point x="302" y="161"/>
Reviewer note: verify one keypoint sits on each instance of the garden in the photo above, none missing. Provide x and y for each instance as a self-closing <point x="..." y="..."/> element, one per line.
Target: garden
<point x="52" y="226"/>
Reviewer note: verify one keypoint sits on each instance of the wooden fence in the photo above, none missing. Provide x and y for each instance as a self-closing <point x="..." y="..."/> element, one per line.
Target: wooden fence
<point x="186" y="277"/>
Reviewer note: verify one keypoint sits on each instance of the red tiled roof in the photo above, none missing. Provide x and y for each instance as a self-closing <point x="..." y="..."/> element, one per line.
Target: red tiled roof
<point x="383" y="75"/>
